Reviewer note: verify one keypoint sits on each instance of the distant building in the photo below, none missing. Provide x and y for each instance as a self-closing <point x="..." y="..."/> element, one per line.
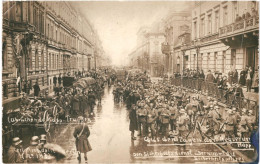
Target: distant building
<point x="147" y="55"/>
<point x="175" y="24"/>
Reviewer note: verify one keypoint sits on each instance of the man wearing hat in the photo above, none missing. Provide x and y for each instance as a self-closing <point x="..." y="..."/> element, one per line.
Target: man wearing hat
<point x="32" y="154"/>
<point x="237" y="117"/>
<point x="244" y="124"/>
<point x="81" y="133"/>
<point x="251" y="121"/>
<point x="133" y="121"/>
<point x="182" y="122"/>
<point x="230" y="123"/>
<point x="174" y="115"/>
<point x="14" y="153"/>
<point x="142" y="114"/>
<point x="151" y="118"/>
<point x="165" y="119"/>
<point x="213" y="120"/>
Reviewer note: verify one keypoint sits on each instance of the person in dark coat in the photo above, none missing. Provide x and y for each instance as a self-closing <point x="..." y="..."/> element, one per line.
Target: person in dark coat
<point x="242" y="79"/>
<point x="36" y="89"/>
<point x="230" y="77"/>
<point x="27" y="87"/>
<point x="255" y="81"/>
<point x="249" y="77"/>
<point x="210" y="77"/>
<point x="235" y="76"/>
<point x="133" y="122"/>
<point x="75" y="104"/>
<point x="59" y="80"/>
<point x="55" y="80"/>
<point x="81" y="134"/>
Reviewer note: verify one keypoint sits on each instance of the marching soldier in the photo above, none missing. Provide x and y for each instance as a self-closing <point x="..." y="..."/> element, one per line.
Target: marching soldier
<point x="236" y="116"/>
<point x="244" y="124"/>
<point x="213" y="118"/>
<point x="151" y="118"/>
<point x="14" y="152"/>
<point x="182" y="123"/>
<point x="251" y="121"/>
<point x="174" y="115"/>
<point x="142" y="114"/>
<point x="165" y="119"/>
<point x="32" y="154"/>
<point x="230" y="123"/>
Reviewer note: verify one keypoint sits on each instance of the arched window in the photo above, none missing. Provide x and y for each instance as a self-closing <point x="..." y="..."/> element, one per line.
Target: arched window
<point x="36" y="60"/>
<point x="42" y="60"/>
<point x="4" y="56"/>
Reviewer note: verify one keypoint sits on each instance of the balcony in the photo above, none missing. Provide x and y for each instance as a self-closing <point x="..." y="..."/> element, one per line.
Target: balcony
<point x="244" y="26"/>
<point x="166" y="48"/>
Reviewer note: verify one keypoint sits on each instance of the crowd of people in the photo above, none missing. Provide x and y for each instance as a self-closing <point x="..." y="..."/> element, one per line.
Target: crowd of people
<point x="163" y="110"/>
<point x="73" y="101"/>
<point x="248" y="77"/>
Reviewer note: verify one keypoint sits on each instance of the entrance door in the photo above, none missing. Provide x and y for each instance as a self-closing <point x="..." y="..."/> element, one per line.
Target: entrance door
<point x="252" y="57"/>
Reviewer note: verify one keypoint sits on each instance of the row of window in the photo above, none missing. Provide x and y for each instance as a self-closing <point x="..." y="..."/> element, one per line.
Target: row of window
<point x="210" y="23"/>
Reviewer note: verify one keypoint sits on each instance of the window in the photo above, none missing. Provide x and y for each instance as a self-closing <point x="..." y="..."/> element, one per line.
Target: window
<point x="30" y="59"/>
<point x="208" y="58"/>
<point x="225" y="16"/>
<point x="224" y="62"/>
<point x="53" y="62"/>
<point x="202" y="27"/>
<point x="195" y="30"/>
<point x="43" y="23"/>
<point x="49" y="58"/>
<point x="233" y="58"/>
<point x="42" y="60"/>
<point x="4" y="56"/>
<point x="34" y="16"/>
<point x="201" y="60"/>
<point x="215" y="60"/>
<point x="48" y="31"/>
<point x="216" y="21"/>
<point x="209" y="24"/>
<point x="195" y="60"/>
<point x="235" y="10"/>
<point x="36" y="60"/>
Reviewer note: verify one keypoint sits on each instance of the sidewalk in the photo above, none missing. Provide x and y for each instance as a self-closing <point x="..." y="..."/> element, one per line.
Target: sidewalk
<point x="14" y="102"/>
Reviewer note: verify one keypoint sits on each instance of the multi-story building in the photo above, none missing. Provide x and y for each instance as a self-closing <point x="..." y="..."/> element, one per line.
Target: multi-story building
<point x="42" y="40"/>
<point x="175" y="24"/>
<point x="148" y="56"/>
<point x="139" y="57"/>
<point x="224" y="36"/>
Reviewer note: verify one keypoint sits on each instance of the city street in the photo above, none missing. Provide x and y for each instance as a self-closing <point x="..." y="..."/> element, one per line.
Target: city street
<point x="111" y="142"/>
<point x="154" y="81"/>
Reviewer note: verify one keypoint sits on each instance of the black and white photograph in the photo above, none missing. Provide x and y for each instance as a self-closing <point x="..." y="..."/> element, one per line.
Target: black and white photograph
<point x="130" y="81"/>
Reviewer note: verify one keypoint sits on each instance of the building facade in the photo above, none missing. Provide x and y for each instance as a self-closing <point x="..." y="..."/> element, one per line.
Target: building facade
<point x="224" y="36"/>
<point x="42" y="40"/>
<point x="175" y="24"/>
<point x="147" y="56"/>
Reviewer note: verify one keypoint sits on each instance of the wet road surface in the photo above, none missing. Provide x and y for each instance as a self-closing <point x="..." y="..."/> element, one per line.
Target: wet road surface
<point x="111" y="142"/>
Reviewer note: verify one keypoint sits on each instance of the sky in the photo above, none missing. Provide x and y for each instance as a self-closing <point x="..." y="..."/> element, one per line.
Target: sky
<point x="117" y="22"/>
